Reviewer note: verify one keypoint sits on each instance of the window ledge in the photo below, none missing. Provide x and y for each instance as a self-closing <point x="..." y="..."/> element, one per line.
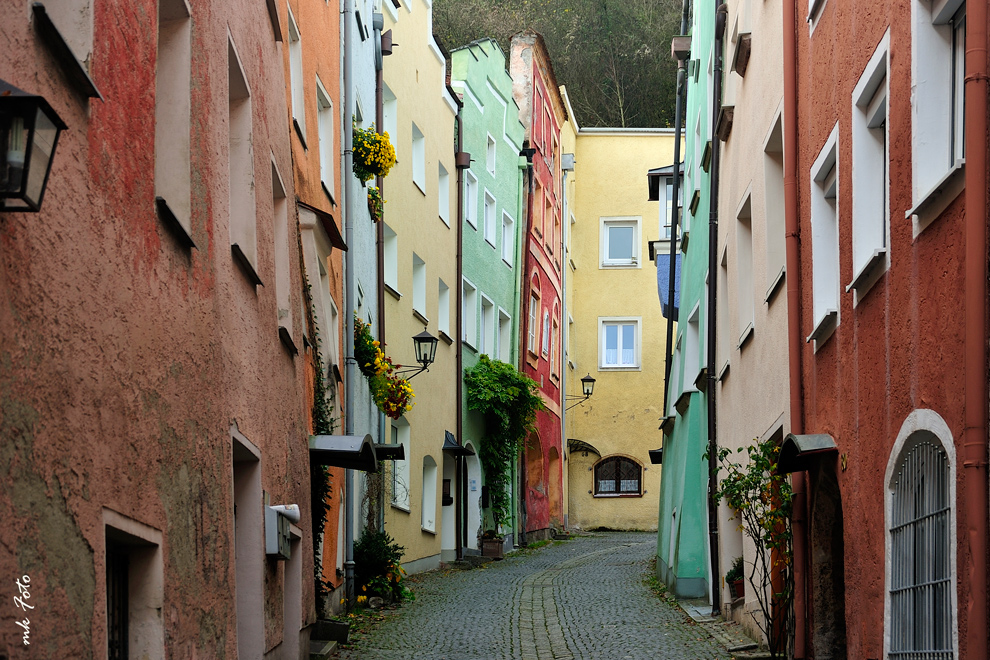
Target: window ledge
<point x="299" y="132"/>
<point x="507" y="264"/>
<point x="824" y="328"/>
<point x="421" y="317"/>
<point x="681" y="404"/>
<point x="775" y="286"/>
<point x="618" y="495"/>
<point x="326" y="191"/>
<point x="73" y="69"/>
<point x="286" y="337"/>
<point x="491" y="243"/>
<point x="864" y="279"/>
<point x="395" y="294"/>
<point x="445" y="337"/>
<point x="172" y="223"/>
<point x="400" y="507"/>
<point x="723" y="372"/>
<point x="466" y="344"/>
<point x="421" y="187"/>
<point x="632" y="367"/>
<point x="620" y="266"/>
<point x="432" y="532"/>
<point x="939" y="197"/>
<point x="746" y="335"/>
<point x="246" y="267"/>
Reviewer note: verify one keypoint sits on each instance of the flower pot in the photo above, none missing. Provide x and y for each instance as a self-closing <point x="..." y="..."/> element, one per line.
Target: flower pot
<point x="737" y="588"/>
<point x="492" y="548"/>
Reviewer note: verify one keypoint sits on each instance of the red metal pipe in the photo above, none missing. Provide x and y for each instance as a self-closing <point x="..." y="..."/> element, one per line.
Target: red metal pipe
<point x="974" y="450"/>
<point x="795" y="345"/>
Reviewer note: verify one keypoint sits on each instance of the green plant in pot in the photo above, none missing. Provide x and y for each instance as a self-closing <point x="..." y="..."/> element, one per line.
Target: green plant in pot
<point x="508" y="400"/>
<point x="734" y="578"/>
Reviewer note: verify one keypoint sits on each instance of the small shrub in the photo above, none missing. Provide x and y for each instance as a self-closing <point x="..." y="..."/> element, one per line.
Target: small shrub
<point x="377" y="568"/>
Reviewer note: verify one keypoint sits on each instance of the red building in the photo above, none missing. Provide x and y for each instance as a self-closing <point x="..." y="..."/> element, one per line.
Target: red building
<point x="886" y="192"/>
<point x="542" y="112"/>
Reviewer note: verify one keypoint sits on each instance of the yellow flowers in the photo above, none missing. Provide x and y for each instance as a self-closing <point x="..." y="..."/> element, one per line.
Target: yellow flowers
<point x="392" y="394"/>
<point x="373" y="153"/>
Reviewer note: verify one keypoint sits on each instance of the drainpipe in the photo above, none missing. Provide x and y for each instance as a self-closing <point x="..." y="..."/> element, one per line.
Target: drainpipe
<point x="462" y="160"/>
<point x="720" y="16"/>
<point x="675" y="213"/>
<point x="349" y="366"/>
<point x="567" y="163"/>
<point x="974" y="452"/>
<point x="527" y="152"/>
<point x="378" y="22"/>
<point x="795" y="345"/>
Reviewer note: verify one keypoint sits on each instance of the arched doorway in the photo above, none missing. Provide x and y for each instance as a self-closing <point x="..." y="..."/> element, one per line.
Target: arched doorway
<point x="554" y="489"/>
<point x="827" y="564"/>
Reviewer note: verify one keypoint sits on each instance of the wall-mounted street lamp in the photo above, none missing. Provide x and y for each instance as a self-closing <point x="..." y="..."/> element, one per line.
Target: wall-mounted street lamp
<point x="587" y="389"/>
<point x="425" y="346"/>
<point x="29" y="131"/>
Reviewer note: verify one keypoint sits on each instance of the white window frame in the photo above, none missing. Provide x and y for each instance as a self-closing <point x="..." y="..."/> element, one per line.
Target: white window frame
<point x="443" y="308"/>
<point x="824" y="182"/>
<point x="545" y="345"/>
<point x="390" y="247"/>
<point x="471" y="198"/>
<point x="489" y="218"/>
<point x="490" y="155"/>
<point x="418" y="158"/>
<point x="620" y="321"/>
<point x="324" y="128"/>
<point x="173" y="103"/>
<point x="419" y="285"/>
<point x="666" y="196"/>
<point x="871" y="171"/>
<point x="692" y="350"/>
<point x="401" y="434"/>
<point x="390" y="114"/>
<point x="488" y="339"/>
<point x="745" y="293"/>
<point x="533" y="338"/>
<point x="508" y="239"/>
<point x="469" y="313"/>
<point x="773" y="202"/>
<point x="504" y="336"/>
<point x="429" y="495"/>
<point x="607" y="223"/>
<point x="920" y="426"/>
<point x="297" y="96"/>
<point x="443" y="193"/>
<point x="243" y="211"/>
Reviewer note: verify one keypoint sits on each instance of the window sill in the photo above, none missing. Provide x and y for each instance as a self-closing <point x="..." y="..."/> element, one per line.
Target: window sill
<point x="421" y="187"/>
<point x="287" y="343"/>
<point x="466" y="344"/>
<point x="507" y="264"/>
<point x="630" y="265"/>
<point x="936" y="200"/>
<point x="432" y="532"/>
<point x="299" y="133"/>
<point x="246" y="267"/>
<point x="681" y="404"/>
<point x="74" y="70"/>
<point x="775" y="286"/>
<point x="326" y="191"/>
<point x="869" y="273"/>
<point x="824" y="328"/>
<point x="723" y="372"/>
<point x="629" y="367"/>
<point x="400" y="507"/>
<point x="421" y="317"/>
<point x="490" y="242"/>
<point x="395" y="294"/>
<point x="472" y="223"/>
<point x="444" y="220"/>
<point x="617" y="495"/>
<point x="445" y="337"/>
<point x="172" y="223"/>
<point x="746" y="335"/>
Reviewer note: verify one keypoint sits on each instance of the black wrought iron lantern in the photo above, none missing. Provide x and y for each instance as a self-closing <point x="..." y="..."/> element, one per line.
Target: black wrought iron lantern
<point x="426" y="348"/>
<point x="587" y="385"/>
<point x="29" y="131"/>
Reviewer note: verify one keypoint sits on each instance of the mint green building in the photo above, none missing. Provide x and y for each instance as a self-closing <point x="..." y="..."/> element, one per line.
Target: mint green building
<point x="682" y="542"/>
<point x="491" y="246"/>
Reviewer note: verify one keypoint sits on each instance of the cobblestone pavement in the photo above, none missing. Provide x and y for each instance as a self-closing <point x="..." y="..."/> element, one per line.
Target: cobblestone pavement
<point x="582" y="599"/>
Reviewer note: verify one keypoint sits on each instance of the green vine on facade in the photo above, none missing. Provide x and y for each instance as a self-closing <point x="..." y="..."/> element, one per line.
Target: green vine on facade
<point x="509" y="401"/>
<point x="762" y="499"/>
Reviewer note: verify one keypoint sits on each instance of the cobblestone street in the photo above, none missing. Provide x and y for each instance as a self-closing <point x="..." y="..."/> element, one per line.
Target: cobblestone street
<point x="583" y="599"/>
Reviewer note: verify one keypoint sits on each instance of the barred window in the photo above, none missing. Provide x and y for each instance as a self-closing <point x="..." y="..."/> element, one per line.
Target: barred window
<point x="921" y="608"/>
<point x="618" y="475"/>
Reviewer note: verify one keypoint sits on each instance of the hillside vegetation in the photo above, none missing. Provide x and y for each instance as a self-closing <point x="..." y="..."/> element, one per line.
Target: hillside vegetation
<point x="614" y="57"/>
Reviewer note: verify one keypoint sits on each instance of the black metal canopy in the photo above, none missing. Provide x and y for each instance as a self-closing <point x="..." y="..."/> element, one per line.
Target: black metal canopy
<point x="347" y="451"/>
<point x="452" y="447"/>
<point x="800" y="452"/>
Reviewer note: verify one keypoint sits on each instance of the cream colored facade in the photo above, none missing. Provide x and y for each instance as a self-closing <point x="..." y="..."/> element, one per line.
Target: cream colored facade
<point x="622" y="417"/>
<point x="420" y="253"/>
<point x="751" y="298"/>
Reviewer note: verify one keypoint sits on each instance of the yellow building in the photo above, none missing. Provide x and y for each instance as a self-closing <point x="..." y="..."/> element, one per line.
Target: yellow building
<point x="615" y="331"/>
<point x="420" y="276"/>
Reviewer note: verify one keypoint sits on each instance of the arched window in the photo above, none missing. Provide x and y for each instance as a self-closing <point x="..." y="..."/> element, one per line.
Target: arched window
<point x="921" y="598"/>
<point x="618" y="475"/>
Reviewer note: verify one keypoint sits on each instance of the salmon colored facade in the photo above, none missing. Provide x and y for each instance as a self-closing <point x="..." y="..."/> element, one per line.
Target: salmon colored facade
<point x="542" y="113"/>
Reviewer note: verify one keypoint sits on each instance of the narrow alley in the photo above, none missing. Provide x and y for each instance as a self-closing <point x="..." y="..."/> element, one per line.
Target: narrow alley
<point x="581" y="599"/>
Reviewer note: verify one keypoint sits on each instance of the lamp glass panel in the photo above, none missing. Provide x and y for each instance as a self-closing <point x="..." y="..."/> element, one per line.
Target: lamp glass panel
<point x="13" y="145"/>
<point x="42" y="146"/>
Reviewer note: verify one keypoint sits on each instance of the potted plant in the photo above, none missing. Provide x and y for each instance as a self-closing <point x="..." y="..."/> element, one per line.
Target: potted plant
<point x="391" y="393"/>
<point x="492" y="544"/>
<point x="373" y="153"/>
<point x="376" y="203"/>
<point x="734" y="577"/>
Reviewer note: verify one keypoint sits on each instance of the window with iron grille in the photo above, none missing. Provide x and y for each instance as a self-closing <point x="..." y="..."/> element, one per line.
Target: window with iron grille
<point x="117" y="570"/>
<point x="618" y="475"/>
<point x="921" y="583"/>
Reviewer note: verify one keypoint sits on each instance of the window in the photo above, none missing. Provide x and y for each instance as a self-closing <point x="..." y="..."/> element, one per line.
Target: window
<point x="400" y="469"/>
<point x="745" y="298"/>
<point x="172" y="111"/>
<point x="443" y="193"/>
<point x="546" y="333"/>
<point x="554" y="345"/>
<point x="324" y="115"/>
<point x="490" y="155"/>
<point x="390" y="113"/>
<point x="870" y="162"/>
<point x="282" y="281"/>
<point x="469" y="311"/>
<point x="692" y="350"/>
<point x="471" y="199"/>
<point x="508" y="239"/>
<point x="443" y="308"/>
<point x="534" y="329"/>
<point x="488" y="337"/>
<point x="938" y="44"/>
<point x="667" y="204"/>
<point x="773" y="199"/>
<point x="504" y="336"/>
<point x="240" y="162"/>
<point x="489" y="219"/>
<point x="419" y="285"/>
<point x="429" y="503"/>
<point x="618" y="475"/>
<point x="825" y="240"/>
<point x="722" y="319"/>
<point x="620" y="242"/>
<point x="134" y="578"/>
<point x="618" y="343"/>
<point x="921" y="593"/>
<point x="391" y="249"/>
<point x="297" y="97"/>
<point x="419" y="158"/>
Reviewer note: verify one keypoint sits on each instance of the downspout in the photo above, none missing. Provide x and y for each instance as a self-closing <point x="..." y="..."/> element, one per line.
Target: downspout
<point x="462" y="160"/>
<point x="378" y="22"/>
<point x="349" y="366"/>
<point x="710" y="312"/>
<point x="528" y="152"/>
<point x="566" y="165"/>
<point x="675" y="212"/>
<point x="795" y="343"/>
<point x="974" y="448"/>
<point x="520" y="275"/>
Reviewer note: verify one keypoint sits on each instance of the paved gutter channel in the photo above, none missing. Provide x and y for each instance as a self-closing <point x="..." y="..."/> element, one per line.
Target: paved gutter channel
<point x="582" y="599"/>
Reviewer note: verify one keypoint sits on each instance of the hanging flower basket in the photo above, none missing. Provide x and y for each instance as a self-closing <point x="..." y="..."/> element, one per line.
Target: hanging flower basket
<point x="372" y="152"/>
<point x="376" y="203"/>
<point x="392" y="393"/>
